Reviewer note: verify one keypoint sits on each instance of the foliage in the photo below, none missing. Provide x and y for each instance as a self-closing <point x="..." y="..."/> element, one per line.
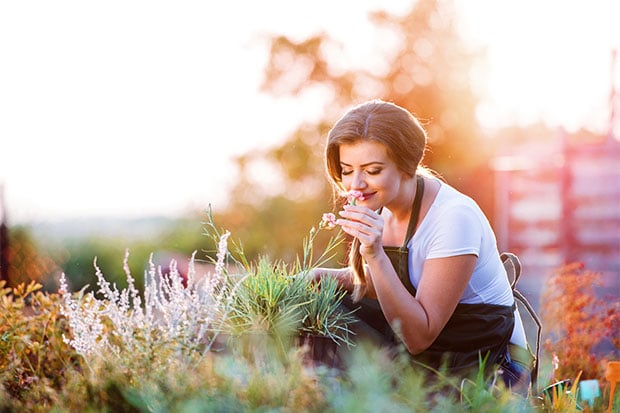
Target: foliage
<point x="561" y="397"/>
<point x="268" y="300"/>
<point x="577" y="320"/>
<point x="215" y="382"/>
<point x="378" y="381"/>
<point x="40" y="373"/>
<point x="275" y="301"/>
<point x="26" y="261"/>
<point x="118" y="350"/>
<point x="35" y="363"/>
<point x="165" y="240"/>
<point x="281" y="301"/>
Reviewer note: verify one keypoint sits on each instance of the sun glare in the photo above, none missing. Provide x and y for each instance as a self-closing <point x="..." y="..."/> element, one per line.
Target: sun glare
<point x="111" y="107"/>
<point x="547" y="61"/>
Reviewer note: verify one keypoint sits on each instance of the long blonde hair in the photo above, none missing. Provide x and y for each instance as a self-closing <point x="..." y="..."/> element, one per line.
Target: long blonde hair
<point x="375" y="121"/>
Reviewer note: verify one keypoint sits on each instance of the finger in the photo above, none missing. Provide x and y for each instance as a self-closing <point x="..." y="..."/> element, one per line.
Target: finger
<point x="361" y="225"/>
<point x="361" y="210"/>
<point x="364" y="233"/>
<point x="368" y="219"/>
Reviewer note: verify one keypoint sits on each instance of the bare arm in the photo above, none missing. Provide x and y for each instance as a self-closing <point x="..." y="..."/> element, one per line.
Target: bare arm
<point x="342" y="275"/>
<point x="421" y="318"/>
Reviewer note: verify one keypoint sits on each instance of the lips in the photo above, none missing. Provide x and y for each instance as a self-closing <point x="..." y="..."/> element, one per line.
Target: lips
<point x="353" y="196"/>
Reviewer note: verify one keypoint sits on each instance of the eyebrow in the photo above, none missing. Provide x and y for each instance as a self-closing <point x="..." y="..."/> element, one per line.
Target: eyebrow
<point x="366" y="164"/>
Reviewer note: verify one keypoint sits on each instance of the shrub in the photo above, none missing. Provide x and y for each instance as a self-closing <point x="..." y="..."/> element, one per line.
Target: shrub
<point x="577" y="322"/>
<point x="35" y="362"/>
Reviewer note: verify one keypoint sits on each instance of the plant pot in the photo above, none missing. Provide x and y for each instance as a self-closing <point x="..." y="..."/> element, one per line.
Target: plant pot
<point x="320" y="350"/>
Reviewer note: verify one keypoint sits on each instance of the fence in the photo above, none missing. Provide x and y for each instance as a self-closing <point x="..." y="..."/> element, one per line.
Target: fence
<point x="560" y="203"/>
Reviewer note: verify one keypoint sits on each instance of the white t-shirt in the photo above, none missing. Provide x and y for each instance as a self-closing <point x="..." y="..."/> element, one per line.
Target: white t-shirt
<point x="455" y="225"/>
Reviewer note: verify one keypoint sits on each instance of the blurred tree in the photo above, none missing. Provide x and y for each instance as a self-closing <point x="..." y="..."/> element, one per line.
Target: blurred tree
<point x="174" y="239"/>
<point x="4" y="251"/>
<point x="27" y="262"/>
<point x="271" y="218"/>
<point x="427" y="72"/>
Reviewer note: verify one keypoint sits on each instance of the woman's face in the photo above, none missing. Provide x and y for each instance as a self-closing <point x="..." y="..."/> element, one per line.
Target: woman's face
<point x="366" y="167"/>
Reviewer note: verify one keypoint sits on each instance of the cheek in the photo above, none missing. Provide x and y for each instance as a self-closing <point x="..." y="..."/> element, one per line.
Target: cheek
<point x="384" y="182"/>
<point x="389" y="188"/>
<point x="345" y="180"/>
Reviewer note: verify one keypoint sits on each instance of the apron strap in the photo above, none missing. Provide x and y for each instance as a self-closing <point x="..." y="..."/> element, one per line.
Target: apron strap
<point x="399" y="256"/>
<point x="415" y="211"/>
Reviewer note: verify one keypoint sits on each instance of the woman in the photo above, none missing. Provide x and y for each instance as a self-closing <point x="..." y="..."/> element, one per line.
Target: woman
<point x="424" y="265"/>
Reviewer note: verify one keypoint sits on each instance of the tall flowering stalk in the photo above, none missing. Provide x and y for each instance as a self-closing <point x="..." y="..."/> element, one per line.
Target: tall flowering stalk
<point x="328" y="222"/>
<point x="182" y="317"/>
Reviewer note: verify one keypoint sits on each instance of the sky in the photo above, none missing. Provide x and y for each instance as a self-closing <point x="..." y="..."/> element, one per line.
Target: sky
<point x="132" y="108"/>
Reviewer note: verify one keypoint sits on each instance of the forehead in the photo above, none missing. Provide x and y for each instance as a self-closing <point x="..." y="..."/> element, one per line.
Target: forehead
<point x="363" y="152"/>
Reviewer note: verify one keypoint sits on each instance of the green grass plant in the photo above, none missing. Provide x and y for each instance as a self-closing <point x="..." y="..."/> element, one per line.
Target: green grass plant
<point x="277" y="302"/>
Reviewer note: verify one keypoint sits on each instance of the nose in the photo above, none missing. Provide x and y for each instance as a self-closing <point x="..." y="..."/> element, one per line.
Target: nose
<point x="358" y="181"/>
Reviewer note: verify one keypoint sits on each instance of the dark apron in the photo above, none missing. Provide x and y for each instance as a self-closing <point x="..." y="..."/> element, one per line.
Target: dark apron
<point x="474" y="331"/>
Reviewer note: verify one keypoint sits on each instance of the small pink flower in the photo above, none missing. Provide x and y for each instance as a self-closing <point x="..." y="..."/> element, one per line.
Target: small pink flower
<point x="328" y="221"/>
<point x="353" y="196"/>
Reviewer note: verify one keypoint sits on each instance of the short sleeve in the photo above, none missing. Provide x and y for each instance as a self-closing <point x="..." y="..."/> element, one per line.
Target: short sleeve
<point x="457" y="231"/>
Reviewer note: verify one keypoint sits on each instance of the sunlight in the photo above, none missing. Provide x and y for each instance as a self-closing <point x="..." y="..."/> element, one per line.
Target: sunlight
<point x="551" y="65"/>
<point x="107" y="107"/>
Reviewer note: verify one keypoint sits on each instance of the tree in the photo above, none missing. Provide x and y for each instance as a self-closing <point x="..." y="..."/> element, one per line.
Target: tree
<point x="428" y="73"/>
<point x="26" y="261"/>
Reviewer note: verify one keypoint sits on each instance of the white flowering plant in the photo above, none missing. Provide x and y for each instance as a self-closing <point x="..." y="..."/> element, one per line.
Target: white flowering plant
<point x="178" y="317"/>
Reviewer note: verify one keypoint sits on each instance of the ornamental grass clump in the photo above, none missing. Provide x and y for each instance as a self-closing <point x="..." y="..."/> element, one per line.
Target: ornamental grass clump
<point x="276" y="303"/>
<point x="282" y="304"/>
<point x="268" y="301"/>
<point x="323" y="315"/>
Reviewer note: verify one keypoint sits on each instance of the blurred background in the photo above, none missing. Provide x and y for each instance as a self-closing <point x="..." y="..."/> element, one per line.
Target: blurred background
<point x="122" y="121"/>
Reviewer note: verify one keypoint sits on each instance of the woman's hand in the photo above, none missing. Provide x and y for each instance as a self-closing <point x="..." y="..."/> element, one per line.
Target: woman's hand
<point x="313" y="274"/>
<point x="365" y="225"/>
<point x="342" y="276"/>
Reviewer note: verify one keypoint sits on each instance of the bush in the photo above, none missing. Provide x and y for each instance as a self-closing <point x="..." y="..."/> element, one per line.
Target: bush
<point x="35" y="362"/>
<point x="577" y="322"/>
